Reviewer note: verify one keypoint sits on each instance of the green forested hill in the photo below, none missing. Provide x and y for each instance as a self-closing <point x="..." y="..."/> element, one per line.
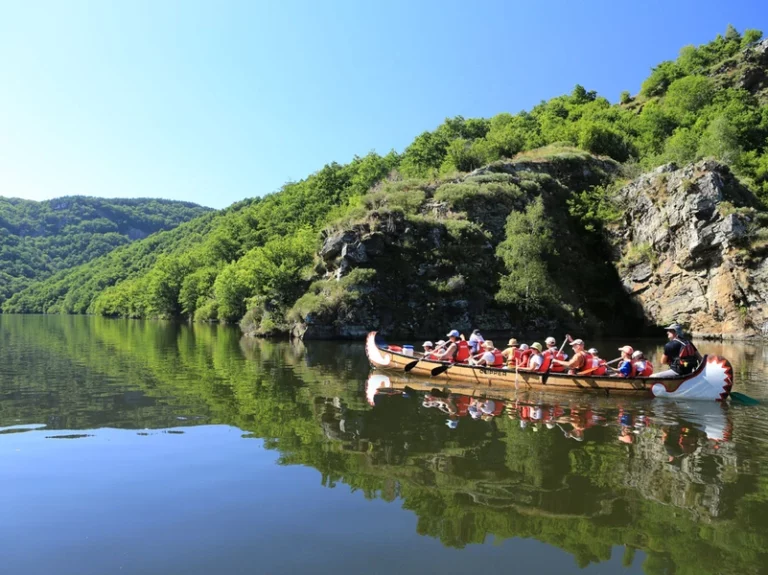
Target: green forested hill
<point x="261" y="255"/>
<point x="38" y="239"/>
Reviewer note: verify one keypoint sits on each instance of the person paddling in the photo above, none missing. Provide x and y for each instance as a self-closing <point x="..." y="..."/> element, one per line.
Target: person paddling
<point x="680" y="354"/>
<point x="457" y="350"/>
<point x="626" y="367"/>
<point x="579" y="360"/>
<point x="595" y="364"/>
<point x="553" y="352"/>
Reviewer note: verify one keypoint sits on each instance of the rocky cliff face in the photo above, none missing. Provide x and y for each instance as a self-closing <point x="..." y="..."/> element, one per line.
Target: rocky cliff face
<point x="691" y="248"/>
<point x="424" y="257"/>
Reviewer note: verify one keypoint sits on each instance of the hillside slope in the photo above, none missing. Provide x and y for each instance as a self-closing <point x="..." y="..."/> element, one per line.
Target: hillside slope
<point x="37" y="239"/>
<point x="485" y="221"/>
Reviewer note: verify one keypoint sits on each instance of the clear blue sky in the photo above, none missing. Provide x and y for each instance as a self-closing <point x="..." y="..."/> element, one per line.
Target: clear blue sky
<point x="213" y="102"/>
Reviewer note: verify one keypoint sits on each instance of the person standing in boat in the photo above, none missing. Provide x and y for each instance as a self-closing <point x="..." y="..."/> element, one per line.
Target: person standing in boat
<point x="680" y="354"/>
<point x="577" y="363"/>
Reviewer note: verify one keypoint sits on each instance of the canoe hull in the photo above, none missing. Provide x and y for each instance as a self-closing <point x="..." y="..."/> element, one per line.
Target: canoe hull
<point x="711" y="381"/>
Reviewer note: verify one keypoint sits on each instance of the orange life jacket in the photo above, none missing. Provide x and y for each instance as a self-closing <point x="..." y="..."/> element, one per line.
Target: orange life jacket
<point x="584" y="364"/>
<point x="643" y="368"/>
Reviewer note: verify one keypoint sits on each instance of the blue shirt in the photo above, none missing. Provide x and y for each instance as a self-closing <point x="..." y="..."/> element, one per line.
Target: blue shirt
<point x="626" y="367"/>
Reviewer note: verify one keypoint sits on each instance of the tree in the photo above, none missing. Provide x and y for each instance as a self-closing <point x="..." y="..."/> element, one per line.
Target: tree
<point x="731" y="34"/>
<point x="525" y="251"/>
<point x="721" y="141"/>
<point x="660" y="79"/>
<point x="750" y="37"/>
<point x="625" y="97"/>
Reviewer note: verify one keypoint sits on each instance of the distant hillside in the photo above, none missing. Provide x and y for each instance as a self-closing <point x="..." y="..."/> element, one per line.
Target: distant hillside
<point x="38" y="239"/>
<point x="497" y="221"/>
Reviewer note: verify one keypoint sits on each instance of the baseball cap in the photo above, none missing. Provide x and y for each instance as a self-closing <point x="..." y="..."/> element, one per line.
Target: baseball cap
<point x="627" y="349"/>
<point x="637" y="354"/>
<point x="427" y="344"/>
<point x="676" y="327"/>
<point x="550" y="341"/>
<point x="577" y="342"/>
<point x="453" y="333"/>
<point x="593" y="351"/>
<point x="440" y="342"/>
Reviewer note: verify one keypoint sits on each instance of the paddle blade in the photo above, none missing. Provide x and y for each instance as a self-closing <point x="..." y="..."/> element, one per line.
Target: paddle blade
<point x="745" y="399"/>
<point x="440" y="369"/>
<point x="411" y="365"/>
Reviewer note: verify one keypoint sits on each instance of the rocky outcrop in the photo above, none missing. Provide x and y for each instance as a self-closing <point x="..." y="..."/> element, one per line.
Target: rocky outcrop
<point x="687" y="251"/>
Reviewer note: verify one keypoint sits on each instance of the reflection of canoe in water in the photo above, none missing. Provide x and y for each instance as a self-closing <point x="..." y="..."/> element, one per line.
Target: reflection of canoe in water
<point x="712" y="380"/>
<point x="709" y="417"/>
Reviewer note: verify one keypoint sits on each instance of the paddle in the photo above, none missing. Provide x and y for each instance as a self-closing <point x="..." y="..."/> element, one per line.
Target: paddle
<point x="413" y="364"/>
<point x="745" y="399"/>
<point x="443" y="368"/>
<point x="587" y="372"/>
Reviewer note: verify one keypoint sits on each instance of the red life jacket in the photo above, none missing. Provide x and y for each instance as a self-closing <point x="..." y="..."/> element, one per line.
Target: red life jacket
<point x="462" y="352"/>
<point x="594" y="365"/>
<point x="643" y="368"/>
<point x="524" y="357"/>
<point x="498" y="359"/>
<point x="553" y="353"/>
<point x="546" y="363"/>
<point x="688" y="350"/>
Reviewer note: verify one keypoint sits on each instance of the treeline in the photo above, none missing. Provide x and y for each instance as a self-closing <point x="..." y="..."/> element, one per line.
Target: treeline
<point x="37" y="239"/>
<point x="260" y="254"/>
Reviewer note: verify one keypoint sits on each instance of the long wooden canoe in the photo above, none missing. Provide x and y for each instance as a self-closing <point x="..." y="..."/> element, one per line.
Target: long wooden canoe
<point x="712" y="380"/>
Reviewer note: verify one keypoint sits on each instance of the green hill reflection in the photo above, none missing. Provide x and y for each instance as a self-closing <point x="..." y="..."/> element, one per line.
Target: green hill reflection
<point x="685" y="484"/>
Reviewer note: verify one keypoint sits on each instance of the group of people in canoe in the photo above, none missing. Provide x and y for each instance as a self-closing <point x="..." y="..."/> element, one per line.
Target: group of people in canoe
<point x="680" y="355"/>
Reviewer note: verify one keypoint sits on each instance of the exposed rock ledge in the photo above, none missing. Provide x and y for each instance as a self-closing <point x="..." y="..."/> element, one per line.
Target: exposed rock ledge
<point x="686" y="250"/>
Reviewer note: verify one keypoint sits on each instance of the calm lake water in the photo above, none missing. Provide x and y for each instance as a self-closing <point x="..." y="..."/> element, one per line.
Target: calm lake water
<point x="148" y="447"/>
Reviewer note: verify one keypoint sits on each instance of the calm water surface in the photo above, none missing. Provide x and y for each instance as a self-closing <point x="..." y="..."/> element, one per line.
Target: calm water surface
<point x="144" y="447"/>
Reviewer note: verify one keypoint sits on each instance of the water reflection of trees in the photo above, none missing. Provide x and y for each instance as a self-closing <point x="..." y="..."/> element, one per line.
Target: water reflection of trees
<point x="662" y="478"/>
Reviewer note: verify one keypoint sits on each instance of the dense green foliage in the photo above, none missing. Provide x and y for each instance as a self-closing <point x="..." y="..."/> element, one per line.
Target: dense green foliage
<point x="37" y="239"/>
<point x="258" y="257"/>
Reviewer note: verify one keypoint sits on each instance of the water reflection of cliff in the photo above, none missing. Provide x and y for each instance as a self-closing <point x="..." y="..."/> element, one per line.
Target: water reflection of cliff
<point x="681" y="482"/>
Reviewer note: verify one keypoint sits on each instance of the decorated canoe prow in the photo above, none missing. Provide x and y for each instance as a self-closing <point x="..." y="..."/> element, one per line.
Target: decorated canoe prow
<point x="712" y="380"/>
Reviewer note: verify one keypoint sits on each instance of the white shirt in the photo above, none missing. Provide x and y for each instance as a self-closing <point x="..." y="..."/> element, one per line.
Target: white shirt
<point x="535" y="361"/>
<point x="489" y="358"/>
<point x="475" y="340"/>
